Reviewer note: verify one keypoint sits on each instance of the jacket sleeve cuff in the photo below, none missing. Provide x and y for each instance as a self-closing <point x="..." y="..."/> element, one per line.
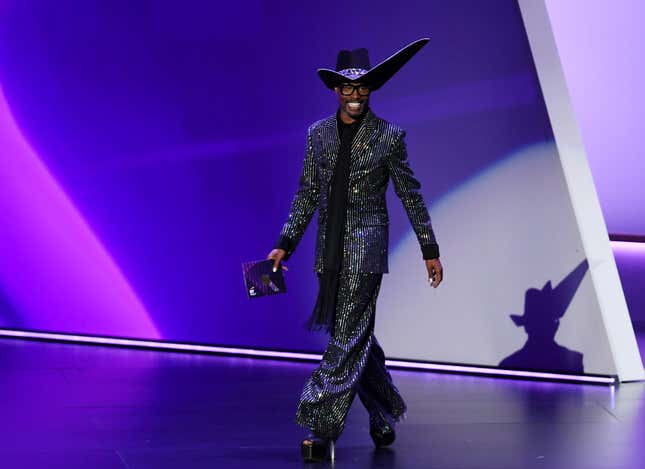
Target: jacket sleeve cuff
<point x="286" y="244"/>
<point x="430" y="251"/>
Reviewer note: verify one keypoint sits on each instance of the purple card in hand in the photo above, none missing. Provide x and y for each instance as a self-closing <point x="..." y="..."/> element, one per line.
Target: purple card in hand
<point x="261" y="280"/>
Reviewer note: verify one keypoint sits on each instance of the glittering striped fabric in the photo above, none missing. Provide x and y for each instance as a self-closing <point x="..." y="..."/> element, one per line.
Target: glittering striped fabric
<point x="353" y="362"/>
<point x="378" y="154"/>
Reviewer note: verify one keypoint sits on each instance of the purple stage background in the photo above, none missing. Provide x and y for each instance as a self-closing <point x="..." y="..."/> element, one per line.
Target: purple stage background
<point x="155" y="146"/>
<point x="602" y="48"/>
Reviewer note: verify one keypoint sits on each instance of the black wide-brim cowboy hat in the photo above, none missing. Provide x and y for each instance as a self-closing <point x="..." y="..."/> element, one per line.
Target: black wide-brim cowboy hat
<point x="353" y="66"/>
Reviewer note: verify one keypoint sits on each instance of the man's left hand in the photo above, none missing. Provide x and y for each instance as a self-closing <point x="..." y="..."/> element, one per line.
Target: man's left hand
<point x="435" y="272"/>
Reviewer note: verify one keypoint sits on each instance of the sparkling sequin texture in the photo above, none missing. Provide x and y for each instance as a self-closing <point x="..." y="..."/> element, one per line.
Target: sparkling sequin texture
<point x="353" y="73"/>
<point x="353" y="361"/>
<point x="378" y="154"/>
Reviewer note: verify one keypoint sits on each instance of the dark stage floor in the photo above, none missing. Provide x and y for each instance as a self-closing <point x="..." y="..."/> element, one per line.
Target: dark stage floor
<point x="72" y="406"/>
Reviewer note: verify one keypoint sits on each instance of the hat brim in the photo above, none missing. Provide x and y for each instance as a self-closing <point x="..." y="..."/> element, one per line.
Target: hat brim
<point x="518" y="320"/>
<point x="379" y="75"/>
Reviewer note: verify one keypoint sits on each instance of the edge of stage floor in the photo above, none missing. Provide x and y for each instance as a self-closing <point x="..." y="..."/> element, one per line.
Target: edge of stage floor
<point x="475" y="370"/>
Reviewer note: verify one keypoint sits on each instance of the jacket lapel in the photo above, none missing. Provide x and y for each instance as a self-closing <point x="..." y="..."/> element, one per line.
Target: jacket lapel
<point x="361" y="143"/>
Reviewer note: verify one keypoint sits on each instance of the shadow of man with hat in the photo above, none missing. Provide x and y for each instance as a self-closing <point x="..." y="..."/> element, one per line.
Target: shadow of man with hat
<point x="543" y="309"/>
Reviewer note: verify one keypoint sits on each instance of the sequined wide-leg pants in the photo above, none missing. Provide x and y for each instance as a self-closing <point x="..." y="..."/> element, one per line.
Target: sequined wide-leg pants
<point x="352" y="363"/>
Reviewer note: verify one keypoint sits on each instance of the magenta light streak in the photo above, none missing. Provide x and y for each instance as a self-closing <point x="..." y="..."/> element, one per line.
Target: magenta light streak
<point x="52" y="267"/>
<point x="304" y="356"/>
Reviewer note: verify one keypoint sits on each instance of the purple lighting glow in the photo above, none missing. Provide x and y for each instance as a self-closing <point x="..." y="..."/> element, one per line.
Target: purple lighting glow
<point x="630" y="259"/>
<point x="52" y="267"/>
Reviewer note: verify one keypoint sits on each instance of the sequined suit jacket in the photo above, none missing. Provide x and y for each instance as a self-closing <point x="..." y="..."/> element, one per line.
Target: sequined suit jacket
<point x="378" y="153"/>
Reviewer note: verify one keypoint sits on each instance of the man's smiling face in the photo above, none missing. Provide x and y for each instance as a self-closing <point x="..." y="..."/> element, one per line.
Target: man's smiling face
<point x="353" y="99"/>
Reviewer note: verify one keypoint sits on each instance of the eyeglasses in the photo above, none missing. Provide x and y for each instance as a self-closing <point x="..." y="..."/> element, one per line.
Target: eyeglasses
<point x="347" y="89"/>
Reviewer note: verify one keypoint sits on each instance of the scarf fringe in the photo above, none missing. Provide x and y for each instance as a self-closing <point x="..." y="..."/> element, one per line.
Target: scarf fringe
<point x="322" y="317"/>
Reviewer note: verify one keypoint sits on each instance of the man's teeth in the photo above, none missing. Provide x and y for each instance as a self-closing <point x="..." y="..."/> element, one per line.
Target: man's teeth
<point x="354" y="105"/>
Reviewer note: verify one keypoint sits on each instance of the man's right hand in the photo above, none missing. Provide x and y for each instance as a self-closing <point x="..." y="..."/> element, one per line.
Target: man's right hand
<point x="277" y="255"/>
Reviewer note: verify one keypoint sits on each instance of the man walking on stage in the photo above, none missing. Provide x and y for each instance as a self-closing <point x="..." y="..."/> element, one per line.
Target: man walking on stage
<point x="349" y="160"/>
